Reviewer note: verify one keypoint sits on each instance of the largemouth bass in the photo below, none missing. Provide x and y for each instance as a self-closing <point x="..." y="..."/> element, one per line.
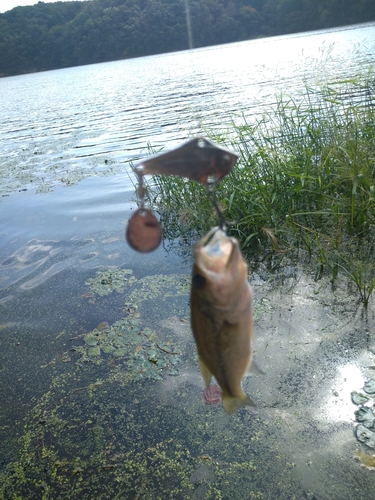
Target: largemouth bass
<point x="221" y="315"/>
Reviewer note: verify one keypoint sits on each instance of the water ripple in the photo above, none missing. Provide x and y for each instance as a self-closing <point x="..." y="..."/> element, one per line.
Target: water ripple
<point x="91" y="120"/>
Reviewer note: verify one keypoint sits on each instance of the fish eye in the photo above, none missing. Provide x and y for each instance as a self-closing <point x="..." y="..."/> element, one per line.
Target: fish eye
<point x="199" y="281"/>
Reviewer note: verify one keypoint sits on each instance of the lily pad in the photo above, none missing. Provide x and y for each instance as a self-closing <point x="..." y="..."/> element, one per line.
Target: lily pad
<point x="108" y="349"/>
<point x="365" y="436"/>
<point x="148" y="332"/>
<point x="162" y="363"/>
<point x="152" y="356"/>
<point x="146" y="353"/>
<point x="159" y="286"/>
<point x="110" y="336"/>
<point x="365" y="416"/>
<point x="108" y="280"/>
<point x="120" y="352"/>
<point x="90" y="339"/>
<point x="358" y="398"/>
<point x="369" y="387"/>
<point x="120" y="341"/>
<point x="92" y="352"/>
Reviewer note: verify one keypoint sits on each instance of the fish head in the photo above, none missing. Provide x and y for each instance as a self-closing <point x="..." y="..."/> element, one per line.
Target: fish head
<point x="219" y="270"/>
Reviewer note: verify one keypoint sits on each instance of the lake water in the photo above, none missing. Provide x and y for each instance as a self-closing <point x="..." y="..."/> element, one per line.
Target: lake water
<point x="79" y="416"/>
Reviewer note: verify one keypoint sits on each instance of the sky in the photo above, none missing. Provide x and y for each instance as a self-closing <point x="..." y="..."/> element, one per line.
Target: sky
<point x="10" y="4"/>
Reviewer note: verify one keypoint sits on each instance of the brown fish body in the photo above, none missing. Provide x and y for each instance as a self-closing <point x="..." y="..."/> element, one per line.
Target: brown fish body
<point x="221" y="315"/>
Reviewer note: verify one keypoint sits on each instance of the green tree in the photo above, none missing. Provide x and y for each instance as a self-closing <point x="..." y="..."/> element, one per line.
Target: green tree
<point x="56" y="35"/>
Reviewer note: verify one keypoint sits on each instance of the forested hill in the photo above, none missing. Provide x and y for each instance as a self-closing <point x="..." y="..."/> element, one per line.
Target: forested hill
<point x="56" y="35"/>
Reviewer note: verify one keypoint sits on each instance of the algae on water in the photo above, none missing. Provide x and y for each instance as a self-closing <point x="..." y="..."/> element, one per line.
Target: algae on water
<point x="142" y="353"/>
<point x="108" y="280"/>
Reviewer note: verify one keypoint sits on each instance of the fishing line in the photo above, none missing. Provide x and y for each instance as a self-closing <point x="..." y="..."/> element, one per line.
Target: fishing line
<point x="211" y="193"/>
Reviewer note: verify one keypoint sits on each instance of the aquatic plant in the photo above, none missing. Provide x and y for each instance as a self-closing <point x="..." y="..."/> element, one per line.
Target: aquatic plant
<point x="108" y="280"/>
<point x="365" y="417"/>
<point x="305" y="179"/>
<point x="91" y="428"/>
<point x="143" y="353"/>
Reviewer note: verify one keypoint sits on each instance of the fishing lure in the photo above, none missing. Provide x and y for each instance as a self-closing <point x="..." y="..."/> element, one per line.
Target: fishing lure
<point x="199" y="160"/>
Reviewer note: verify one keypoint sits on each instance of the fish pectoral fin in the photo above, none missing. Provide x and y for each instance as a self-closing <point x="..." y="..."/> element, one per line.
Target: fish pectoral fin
<point x="254" y="369"/>
<point x="206" y="374"/>
<point x="231" y="405"/>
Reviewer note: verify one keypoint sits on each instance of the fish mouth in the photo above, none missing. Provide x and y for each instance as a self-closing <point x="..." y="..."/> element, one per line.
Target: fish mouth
<point x="215" y="251"/>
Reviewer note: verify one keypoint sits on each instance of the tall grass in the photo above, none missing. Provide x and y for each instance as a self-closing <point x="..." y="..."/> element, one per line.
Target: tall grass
<point x="305" y="178"/>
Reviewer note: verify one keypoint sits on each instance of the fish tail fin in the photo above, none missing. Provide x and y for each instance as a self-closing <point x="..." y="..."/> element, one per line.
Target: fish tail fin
<point x="206" y="374"/>
<point x="231" y="405"/>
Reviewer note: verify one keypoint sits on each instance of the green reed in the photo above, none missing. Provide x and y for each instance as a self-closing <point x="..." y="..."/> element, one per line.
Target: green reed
<point x="305" y="178"/>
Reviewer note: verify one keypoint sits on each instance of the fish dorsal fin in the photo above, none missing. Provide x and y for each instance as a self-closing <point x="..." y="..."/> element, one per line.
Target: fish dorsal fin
<point x="254" y="369"/>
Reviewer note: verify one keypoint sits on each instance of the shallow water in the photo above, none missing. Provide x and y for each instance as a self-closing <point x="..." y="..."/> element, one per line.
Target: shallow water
<point x="84" y="419"/>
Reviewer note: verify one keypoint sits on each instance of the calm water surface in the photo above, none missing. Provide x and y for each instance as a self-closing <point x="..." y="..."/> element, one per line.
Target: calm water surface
<point x="65" y="141"/>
